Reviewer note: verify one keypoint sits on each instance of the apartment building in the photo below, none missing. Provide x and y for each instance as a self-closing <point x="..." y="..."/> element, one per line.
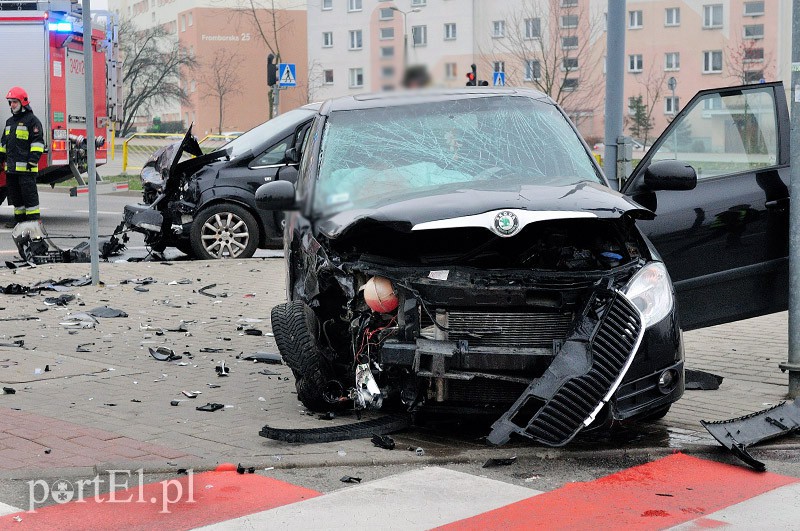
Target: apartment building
<point x="557" y="46"/>
<point x="223" y="35"/>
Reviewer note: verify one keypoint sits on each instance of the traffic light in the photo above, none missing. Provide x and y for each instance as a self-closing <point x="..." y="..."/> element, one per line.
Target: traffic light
<point x="472" y="77"/>
<point x="272" y="70"/>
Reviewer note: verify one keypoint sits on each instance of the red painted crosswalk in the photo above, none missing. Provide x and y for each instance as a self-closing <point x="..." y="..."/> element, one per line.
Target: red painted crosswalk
<point x="678" y="491"/>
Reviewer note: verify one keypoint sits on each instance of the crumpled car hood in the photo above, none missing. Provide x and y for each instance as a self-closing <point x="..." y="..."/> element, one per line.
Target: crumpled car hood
<point x="465" y="207"/>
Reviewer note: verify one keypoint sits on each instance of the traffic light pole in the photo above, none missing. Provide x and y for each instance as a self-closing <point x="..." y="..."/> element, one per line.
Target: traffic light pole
<point x="276" y="96"/>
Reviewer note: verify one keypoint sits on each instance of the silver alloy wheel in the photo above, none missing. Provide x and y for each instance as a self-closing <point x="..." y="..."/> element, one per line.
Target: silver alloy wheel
<point x="225" y="235"/>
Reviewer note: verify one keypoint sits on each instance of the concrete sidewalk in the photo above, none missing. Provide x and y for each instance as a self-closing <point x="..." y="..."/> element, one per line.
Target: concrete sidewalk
<point x="107" y="404"/>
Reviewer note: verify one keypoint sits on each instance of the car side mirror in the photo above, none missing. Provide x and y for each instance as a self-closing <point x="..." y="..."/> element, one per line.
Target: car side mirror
<point x="292" y="155"/>
<point x="276" y="195"/>
<point x="670" y="175"/>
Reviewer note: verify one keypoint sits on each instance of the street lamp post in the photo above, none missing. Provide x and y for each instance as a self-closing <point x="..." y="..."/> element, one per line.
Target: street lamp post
<point x="405" y="33"/>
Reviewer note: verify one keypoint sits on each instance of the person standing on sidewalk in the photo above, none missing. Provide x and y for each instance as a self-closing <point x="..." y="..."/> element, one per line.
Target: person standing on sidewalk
<point x="21" y="145"/>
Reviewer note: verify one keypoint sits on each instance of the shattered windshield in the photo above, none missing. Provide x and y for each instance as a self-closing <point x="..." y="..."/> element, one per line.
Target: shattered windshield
<point x="255" y="137"/>
<point x="372" y="157"/>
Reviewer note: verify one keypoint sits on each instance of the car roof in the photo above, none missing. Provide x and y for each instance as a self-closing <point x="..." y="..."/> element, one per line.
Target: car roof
<point x="414" y="97"/>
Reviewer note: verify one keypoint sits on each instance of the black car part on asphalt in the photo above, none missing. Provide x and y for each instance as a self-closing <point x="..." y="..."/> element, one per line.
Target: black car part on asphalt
<point x="344" y="432"/>
<point x="738" y="434"/>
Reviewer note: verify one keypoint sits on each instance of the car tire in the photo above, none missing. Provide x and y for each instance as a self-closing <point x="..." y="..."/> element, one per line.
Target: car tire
<point x="224" y="230"/>
<point x="296" y="330"/>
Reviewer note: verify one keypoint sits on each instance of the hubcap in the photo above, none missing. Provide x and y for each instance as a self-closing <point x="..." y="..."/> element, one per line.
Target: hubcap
<point x="225" y="235"/>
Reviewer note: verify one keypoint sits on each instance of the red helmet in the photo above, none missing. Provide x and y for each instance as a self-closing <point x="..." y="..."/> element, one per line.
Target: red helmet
<point x="18" y="93"/>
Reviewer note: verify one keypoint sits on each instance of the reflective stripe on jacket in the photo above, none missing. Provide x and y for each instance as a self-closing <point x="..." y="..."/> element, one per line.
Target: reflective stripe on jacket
<point x="22" y="142"/>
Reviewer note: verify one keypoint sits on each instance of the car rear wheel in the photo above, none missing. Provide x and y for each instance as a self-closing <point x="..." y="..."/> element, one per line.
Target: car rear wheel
<point x="296" y="330"/>
<point x="224" y="230"/>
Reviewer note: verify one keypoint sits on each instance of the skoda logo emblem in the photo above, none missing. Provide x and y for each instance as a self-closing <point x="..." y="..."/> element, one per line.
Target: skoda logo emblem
<point x="506" y="223"/>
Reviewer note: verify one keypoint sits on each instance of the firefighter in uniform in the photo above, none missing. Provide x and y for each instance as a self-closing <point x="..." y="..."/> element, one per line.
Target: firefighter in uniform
<point x="21" y="145"/>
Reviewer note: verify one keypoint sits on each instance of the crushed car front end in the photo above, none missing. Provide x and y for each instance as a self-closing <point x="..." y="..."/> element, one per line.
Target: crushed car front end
<point x="472" y="277"/>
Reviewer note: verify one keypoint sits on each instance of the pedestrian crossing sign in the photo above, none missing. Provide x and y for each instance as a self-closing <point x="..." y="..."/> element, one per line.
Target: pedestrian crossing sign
<point x="287" y="75"/>
<point x="499" y="79"/>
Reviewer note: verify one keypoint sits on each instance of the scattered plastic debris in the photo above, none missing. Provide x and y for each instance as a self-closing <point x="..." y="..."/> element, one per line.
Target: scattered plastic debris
<point x="501" y="461"/>
<point x="82" y="347"/>
<point x="61" y="300"/>
<point x="79" y="320"/>
<point x="350" y="479"/>
<point x="265" y="357"/>
<point x="211" y="406"/>
<point x="164" y="354"/>
<point x="383" y="441"/>
<point x="221" y="369"/>
<point x="9" y="390"/>
<point x="189" y="394"/>
<point x="701" y="380"/>
<point x="204" y="291"/>
<point x="105" y="311"/>
<point x="242" y="470"/>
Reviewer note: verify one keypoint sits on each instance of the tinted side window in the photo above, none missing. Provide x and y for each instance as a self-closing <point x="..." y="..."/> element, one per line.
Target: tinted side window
<point x="273" y="155"/>
<point x="725" y="134"/>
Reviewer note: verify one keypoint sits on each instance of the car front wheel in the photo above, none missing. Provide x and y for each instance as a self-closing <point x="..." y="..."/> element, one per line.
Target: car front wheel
<point x="224" y="230"/>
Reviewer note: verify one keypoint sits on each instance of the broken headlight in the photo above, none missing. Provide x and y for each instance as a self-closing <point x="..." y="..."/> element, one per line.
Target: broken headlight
<point x="651" y="291"/>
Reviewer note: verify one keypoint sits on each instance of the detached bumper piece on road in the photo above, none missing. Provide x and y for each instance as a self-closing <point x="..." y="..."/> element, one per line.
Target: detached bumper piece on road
<point x="344" y="432"/>
<point x="740" y="433"/>
<point x="582" y="377"/>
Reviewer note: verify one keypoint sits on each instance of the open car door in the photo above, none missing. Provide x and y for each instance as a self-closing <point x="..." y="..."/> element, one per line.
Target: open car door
<point x="725" y="243"/>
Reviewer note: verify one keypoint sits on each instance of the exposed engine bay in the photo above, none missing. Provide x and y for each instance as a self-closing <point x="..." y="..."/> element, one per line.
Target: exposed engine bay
<point x="536" y="326"/>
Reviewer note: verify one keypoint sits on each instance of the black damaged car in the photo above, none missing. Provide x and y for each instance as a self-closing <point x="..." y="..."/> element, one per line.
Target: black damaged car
<point x="205" y="206"/>
<point x="461" y="251"/>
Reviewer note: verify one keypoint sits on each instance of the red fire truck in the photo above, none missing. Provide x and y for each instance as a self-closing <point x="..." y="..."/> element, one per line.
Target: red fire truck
<point x="42" y="50"/>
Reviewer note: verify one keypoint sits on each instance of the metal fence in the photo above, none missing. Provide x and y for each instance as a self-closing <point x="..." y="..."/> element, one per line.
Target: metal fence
<point x="140" y="146"/>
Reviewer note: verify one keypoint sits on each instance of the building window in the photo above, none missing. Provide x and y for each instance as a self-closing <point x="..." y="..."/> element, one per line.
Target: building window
<point x="449" y="31"/>
<point x="569" y="43"/>
<point x="354" y="5"/>
<point x="189" y="20"/>
<point x="387" y="33"/>
<point x="712" y="16"/>
<point x="569" y="3"/>
<point x="327" y="5"/>
<point x="533" y="28"/>
<point x="183" y="22"/>
<point x="632" y="101"/>
<point x="753" y="76"/>
<point x="498" y="28"/>
<point x="387" y="72"/>
<point x="634" y="19"/>
<point x="386" y="13"/>
<point x="387" y="51"/>
<point x="418" y="3"/>
<point x="193" y="86"/>
<point x="533" y="70"/>
<point x="419" y="35"/>
<point x="569" y="64"/>
<point x="355" y="40"/>
<point x="569" y="21"/>
<point x="499" y="66"/>
<point x="712" y="104"/>
<point x="753" y="9"/>
<point x="673" y="16"/>
<point x="450" y="71"/>
<point x="356" y="77"/>
<point x="671" y="105"/>
<point x="327" y="39"/>
<point x="672" y="61"/>
<point x="327" y="77"/>
<point x="570" y="83"/>
<point x="712" y="62"/>
<point x="754" y="31"/>
<point x="753" y="55"/>
<point x="635" y="63"/>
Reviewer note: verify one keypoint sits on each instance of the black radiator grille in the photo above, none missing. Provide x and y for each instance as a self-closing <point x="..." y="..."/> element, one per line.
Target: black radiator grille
<point x="613" y="343"/>
<point x="508" y="329"/>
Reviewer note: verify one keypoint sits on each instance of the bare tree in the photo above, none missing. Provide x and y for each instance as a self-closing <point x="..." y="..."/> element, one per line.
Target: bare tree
<point x="746" y="61"/>
<point x="316" y="78"/>
<point x="269" y="27"/>
<point x="554" y="49"/>
<point x="653" y="82"/>
<point x="151" y="70"/>
<point x="221" y="79"/>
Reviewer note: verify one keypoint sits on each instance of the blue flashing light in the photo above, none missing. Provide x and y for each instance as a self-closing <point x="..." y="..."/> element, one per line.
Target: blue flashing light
<point x="60" y="27"/>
